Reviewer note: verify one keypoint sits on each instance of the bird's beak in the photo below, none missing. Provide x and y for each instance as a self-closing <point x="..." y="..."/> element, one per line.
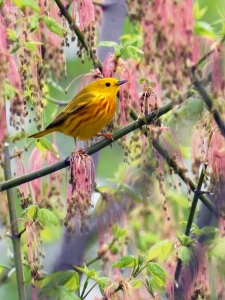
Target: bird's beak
<point x="121" y="82"/>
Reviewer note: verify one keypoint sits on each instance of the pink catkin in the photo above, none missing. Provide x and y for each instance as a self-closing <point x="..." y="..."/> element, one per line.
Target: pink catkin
<point x="85" y="12"/>
<point x="82" y="174"/>
<point x="193" y="276"/>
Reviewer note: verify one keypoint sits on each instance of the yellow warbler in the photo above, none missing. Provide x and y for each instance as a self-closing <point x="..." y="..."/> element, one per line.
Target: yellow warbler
<point x="89" y="111"/>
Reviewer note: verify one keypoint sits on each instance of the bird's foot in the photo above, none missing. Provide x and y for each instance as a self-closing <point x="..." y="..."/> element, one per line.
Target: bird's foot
<point x="106" y="135"/>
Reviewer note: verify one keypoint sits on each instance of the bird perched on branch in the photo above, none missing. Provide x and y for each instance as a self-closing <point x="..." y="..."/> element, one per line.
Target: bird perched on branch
<point x="89" y="111"/>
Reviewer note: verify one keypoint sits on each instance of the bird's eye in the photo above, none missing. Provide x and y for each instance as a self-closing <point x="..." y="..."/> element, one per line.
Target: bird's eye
<point x="107" y="84"/>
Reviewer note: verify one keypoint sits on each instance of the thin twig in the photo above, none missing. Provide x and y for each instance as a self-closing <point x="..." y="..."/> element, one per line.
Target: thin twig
<point x="204" y="57"/>
<point x="197" y="194"/>
<point x="208" y="101"/>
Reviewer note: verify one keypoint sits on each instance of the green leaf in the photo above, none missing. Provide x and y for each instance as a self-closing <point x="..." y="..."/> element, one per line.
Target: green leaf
<point x="184" y="255"/>
<point x="102" y="282"/>
<point x="199" y="12"/>
<point x="63" y="293"/>
<point x="12" y="35"/>
<point x="15" y="47"/>
<point x="31" y="211"/>
<point x="69" y="279"/>
<point x="42" y="144"/>
<point x="160" y="250"/>
<point x="10" y="91"/>
<point x="108" y="44"/>
<point x="117" y="47"/>
<point x="33" y="21"/>
<point x="208" y="230"/>
<point x="155" y="284"/>
<point x="53" y="26"/>
<point x="204" y="29"/>
<point x="194" y="106"/>
<point x="158" y="272"/>
<point x="136" y="283"/>
<point x="1" y="4"/>
<point x="90" y="273"/>
<point x="100" y="206"/>
<point x="183" y="239"/>
<point x="135" y="50"/>
<point x="45" y="215"/>
<point x="126" y="261"/>
<point x="32" y="45"/>
<point x="118" y="231"/>
<point x="22" y="4"/>
<point x="218" y="250"/>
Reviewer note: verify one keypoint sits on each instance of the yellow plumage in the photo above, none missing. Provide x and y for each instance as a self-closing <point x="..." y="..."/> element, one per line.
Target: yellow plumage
<point x="89" y="111"/>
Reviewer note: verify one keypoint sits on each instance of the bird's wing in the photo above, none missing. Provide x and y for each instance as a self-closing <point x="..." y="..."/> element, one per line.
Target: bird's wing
<point x="73" y="107"/>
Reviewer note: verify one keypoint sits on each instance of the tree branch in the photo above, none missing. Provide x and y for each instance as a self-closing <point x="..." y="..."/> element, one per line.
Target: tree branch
<point x="191" y="217"/>
<point x="14" y="230"/>
<point x="208" y="101"/>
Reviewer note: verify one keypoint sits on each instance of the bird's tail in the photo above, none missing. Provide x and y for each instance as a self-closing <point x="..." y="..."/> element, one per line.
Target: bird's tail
<point x="42" y="133"/>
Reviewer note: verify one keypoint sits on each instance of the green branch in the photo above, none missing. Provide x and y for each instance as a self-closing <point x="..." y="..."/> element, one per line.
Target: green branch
<point x="197" y="194"/>
<point x="14" y="230"/>
<point x="208" y="101"/>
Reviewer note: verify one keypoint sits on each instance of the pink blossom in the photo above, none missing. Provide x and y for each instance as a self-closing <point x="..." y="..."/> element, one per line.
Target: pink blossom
<point x="79" y="190"/>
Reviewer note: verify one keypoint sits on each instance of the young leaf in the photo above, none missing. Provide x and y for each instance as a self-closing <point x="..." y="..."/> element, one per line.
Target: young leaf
<point x="31" y="211"/>
<point x="63" y="293"/>
<point x="90" y="273"/>
<point x="70" y="279"/>
<point x="33" y="21"/>
<point x="118" y="231"/>
<point x="42" y="144"/>
<point x="155" y="284"/>
<point x="126" y="261"/>
<point x="102" y="282"/>
<point x="45" y="215"/>
<point x="116" y="47"/>
<point x="204" y="29"/>
<point x="53" y="26"/>
<point x="199" y="12"/>
<point x="158" y="272"/>
<point x="32" y="45"/>
<point x="184" y="255"/>
<point x="160" y="250"/>
<point x="12" y="35"/>
<point x="136" y="283"/>
<point x="22" y="4"/>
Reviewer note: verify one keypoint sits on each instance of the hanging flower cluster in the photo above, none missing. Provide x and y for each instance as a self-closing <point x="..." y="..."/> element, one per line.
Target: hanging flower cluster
<point x="79" y="189"/>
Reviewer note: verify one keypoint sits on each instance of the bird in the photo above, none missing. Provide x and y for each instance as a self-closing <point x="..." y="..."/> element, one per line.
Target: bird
<point x="88" y="113"/>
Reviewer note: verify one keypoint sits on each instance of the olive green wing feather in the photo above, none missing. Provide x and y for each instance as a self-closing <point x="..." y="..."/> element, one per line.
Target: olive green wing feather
<point x="73" y="107"/>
